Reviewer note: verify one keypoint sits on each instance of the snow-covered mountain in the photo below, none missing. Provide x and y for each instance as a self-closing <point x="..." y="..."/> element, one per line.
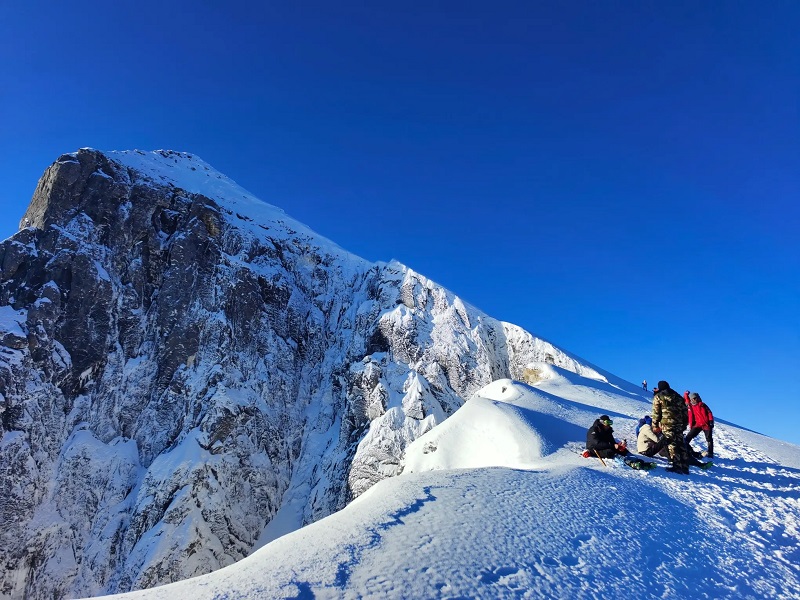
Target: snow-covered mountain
<point x="187" y="373"/>
<point x="498" y="503"/>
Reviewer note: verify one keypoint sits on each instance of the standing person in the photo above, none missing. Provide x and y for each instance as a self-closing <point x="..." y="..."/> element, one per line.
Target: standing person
<point x="700" y="419"/>
<point x="600" y="439"/>
<point x="644" y="385"/>
<point x="669" y="413"/>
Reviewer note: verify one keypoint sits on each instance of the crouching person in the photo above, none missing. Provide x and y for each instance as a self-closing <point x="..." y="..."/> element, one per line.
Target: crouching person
<point x="650" y="441"/>
<point x="600" y="439"/>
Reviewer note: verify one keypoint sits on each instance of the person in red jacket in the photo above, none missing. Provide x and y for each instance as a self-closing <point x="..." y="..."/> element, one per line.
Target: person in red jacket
<point x="700" y="419"/>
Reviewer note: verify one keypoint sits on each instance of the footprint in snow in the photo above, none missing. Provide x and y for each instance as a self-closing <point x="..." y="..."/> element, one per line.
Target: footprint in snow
<point x="501" y="575"/>
<point x="581" y="541"/>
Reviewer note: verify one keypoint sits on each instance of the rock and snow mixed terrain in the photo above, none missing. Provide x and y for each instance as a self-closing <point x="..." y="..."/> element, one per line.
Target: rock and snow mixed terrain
<point x="187" y="373"/>
<point x="191" y="381"/>
<point x="498" y="503"/>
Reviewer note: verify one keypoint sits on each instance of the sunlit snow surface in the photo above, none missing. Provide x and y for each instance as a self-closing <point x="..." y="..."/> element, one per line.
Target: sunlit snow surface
<point x="498" y="503"/>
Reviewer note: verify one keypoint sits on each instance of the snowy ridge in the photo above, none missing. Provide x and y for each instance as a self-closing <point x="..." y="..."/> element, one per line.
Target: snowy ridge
<point x="473" y="516"/>
<point x="187" y="374"/>
<point x="192" y="174"/>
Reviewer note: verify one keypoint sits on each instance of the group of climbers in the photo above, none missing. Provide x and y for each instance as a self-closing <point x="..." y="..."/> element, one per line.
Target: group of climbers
<point x="662" y="432"/>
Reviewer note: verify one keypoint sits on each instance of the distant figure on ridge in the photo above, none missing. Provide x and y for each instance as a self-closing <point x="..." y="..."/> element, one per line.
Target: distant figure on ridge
<point x="600" y="440"/>
<point x="669" y="413"/>
<point x="700" y="419"/>
<point x="644" y="385"/>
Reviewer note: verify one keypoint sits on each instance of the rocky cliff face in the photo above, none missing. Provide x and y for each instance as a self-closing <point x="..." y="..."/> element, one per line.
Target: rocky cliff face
<point x="179" y="362"/>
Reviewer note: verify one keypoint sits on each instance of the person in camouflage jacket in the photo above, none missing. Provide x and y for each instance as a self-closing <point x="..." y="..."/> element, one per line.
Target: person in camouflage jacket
<point x="669" y="413"/>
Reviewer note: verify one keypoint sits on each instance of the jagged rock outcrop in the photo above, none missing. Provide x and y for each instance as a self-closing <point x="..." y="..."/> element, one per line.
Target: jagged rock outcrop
<point x="179" y="362"/>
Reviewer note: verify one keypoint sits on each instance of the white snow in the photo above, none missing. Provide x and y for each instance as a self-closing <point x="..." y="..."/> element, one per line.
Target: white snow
<point x="11" y="321"/>
<point x="497" y="502"/>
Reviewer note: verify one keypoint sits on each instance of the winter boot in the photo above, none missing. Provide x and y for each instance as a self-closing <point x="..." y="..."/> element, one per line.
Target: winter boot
<point x="677" y="470"/>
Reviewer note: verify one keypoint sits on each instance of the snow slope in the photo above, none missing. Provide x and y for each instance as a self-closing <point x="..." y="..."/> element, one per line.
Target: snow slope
<point x="497" y="502"/>
<point x="188" y="374"/>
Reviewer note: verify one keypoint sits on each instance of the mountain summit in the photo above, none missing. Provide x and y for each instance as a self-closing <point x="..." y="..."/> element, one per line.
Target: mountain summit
<point x="187" y="373"/>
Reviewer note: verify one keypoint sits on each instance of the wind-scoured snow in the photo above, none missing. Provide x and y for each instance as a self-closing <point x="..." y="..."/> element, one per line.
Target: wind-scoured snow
<point x="497" y="502"/>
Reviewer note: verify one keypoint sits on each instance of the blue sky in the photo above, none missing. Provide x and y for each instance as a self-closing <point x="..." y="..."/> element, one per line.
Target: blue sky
<point x="620" y="178"/>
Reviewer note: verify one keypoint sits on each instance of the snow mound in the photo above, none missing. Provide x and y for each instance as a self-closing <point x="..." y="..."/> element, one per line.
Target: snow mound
<point x="496" y="428"/>
<point x="502" y="390"/>
<point x="511" y="424"/>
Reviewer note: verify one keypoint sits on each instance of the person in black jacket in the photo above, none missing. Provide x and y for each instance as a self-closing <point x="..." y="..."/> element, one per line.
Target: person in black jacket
<point x="600" y="439"/>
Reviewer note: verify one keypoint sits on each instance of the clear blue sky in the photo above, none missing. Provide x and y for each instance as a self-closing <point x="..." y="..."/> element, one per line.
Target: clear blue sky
<point x="621" y="178"/>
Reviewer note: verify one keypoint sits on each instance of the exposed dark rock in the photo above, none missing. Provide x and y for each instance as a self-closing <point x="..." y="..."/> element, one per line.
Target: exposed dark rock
<point x="175" y="360"/>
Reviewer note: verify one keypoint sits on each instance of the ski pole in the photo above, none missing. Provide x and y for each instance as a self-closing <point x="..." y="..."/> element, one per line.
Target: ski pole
<point x="600" y="457"/>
